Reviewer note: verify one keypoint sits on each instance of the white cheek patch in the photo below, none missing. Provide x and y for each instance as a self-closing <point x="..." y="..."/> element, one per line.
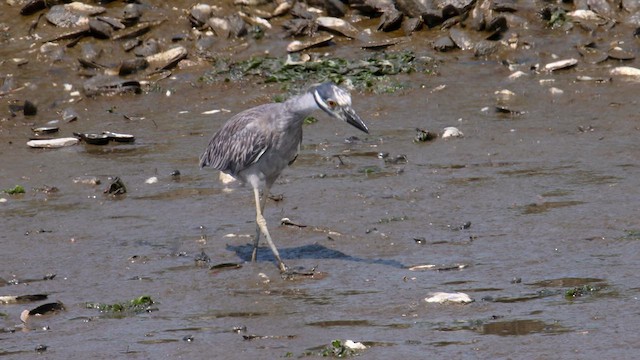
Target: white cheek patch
<point x="319" y="100"/>
<point x="342" y="97"/>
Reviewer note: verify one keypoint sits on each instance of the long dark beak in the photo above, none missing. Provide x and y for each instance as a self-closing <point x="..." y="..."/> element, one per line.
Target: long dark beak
<point x="349" y="115"/>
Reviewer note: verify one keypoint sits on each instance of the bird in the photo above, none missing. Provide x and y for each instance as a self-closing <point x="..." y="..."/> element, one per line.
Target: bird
<point x="257" y="144"/>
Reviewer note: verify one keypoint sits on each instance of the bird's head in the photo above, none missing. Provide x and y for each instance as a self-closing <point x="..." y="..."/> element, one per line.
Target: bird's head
<point x="337" y="103"/>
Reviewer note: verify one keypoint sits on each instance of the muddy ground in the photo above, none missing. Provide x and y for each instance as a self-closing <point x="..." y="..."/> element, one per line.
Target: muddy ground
<point x="524" y="211"/>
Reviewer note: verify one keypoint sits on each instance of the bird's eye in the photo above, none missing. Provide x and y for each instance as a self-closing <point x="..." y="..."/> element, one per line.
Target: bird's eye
<point x="332" y="103"/>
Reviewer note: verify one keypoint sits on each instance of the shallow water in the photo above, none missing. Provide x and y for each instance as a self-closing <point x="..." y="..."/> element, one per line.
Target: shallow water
<point x="550" y="208"/>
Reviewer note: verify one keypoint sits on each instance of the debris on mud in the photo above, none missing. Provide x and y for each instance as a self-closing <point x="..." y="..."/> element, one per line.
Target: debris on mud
<point x="131" y="307"/>
<point x="424" y="136"/>
<point x="18" y="189"/>
<point x="339" y="348"/>
<point x="116" y="187"/>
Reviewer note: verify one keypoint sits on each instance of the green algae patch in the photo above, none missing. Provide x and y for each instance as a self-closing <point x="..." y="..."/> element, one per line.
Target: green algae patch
<point x="372" y="73"/>
<point x="134" y="306"/>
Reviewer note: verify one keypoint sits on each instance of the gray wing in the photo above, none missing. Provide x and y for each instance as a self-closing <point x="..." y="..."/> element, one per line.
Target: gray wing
<point x="238" y="144"/>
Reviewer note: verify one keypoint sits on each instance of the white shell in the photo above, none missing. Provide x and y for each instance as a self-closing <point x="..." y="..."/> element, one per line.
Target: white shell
<point x="350" y="344"/>
<point x="298" y="45"/>
<point x="451" y="132"/>
<point x="53" y="143"/>
<point x="337" y="25"/>
<point x="443" y="297"/>
<point x="561" y="64"/>
<point x="625" y="71"/>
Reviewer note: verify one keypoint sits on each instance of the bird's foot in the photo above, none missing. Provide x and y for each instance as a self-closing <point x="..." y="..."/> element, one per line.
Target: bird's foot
<point x="292" y="274"/>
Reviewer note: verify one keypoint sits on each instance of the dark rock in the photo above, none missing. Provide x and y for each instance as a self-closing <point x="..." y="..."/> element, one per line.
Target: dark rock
<point x="497" y="24"/>
<point x="390" y="20"/>
<point x="149" y="47"/>
<point x="131" y="66"/>
<point x="299" y="10"/>
<point x="485" y="47"/>
<point x="461" y="38"/>
<point x="335" y="8"/>
<point x="450" y="11"/>
<point x="116" y="187"/>
<point x="237" y="26"/>
<point x="300" y="27"/>
<point x="411" y="8"/>
<point x="100" y="29"/>
<point x="411" y="25"/>
<point x="29" y="109"/>
<point x="131" y="14"/>
<point x="432" y="18"/>
<point x="443" y="43"/>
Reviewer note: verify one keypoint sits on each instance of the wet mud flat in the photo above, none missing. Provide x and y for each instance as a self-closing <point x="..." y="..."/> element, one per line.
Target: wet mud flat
<point x="533" y="214"/>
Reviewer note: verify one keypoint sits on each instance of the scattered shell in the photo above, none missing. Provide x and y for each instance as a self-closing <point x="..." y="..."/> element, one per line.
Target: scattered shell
<point x="350" y="344"/>
<point x="119" y="137"/>
<point x="504" y="95"/>
<point x="422" y="267"/>
<point x="151" y="180"/>
<point x="282" y="9"/>
<point x="443" y="297"/>
<point x="384" y="43"/>
<point x="592" y="55"/>
<point x="298" y="45"/>
<point x="255" y="20"/>
<point x="108" y="85"/>
<point x="200" y="14"/>
<point x="93" y="139"/>
<point x="556" y="91"/>
<point x="69" y="115"/>
<point x="625" y="71"/>
<point x="135" y="31"/>
<point x="561" y="64"/>
<point x="53" y="143"/>
<point x="517" y="74"/>
<point x="619" y="54"/>
<point x="337" y="25"/>
<point x="584" y="15"/>
<point x="167" y="59"/>
<point x="451" y="132"/>
<point x="45" y="129"/>
<point x="21" y="299"/>
<point x="220" y="26"/>
<point x="87" y="180"/>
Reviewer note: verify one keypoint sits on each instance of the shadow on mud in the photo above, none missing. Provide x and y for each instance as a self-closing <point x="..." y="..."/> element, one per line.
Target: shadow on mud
<point x="314" y="251"/>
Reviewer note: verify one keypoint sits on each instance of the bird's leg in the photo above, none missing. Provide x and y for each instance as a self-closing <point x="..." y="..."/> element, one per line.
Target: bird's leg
<point x="262" y="226"/>
<point x="262" y="202"/>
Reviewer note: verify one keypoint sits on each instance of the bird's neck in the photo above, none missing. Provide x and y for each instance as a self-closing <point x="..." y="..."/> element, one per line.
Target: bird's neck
<point x="302" y="105"/>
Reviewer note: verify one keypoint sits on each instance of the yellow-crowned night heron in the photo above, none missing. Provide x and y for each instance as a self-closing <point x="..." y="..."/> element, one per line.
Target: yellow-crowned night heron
<point x="254" y="146"/>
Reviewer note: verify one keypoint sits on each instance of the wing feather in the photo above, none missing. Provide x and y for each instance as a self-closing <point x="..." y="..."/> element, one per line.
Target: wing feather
<point x="238" y="144"/>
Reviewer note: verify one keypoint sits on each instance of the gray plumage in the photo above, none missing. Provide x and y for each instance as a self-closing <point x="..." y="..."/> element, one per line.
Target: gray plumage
<point x="256" y="145"/>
